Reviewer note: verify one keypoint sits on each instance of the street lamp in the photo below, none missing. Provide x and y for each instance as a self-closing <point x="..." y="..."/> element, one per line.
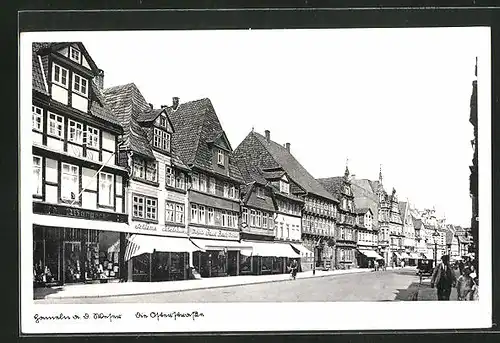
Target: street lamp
<point x="435" y="235"/>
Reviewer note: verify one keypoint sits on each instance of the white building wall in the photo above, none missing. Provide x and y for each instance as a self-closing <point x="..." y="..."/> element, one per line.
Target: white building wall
<point x="60" y="94"/>
<point x="79" y="102"/>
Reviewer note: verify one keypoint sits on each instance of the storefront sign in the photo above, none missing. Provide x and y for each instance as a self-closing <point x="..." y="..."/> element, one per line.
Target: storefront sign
<point x="73" y="212"/>
<point x="176" y="197"/>
<point x="213" y="233"/>
<point x="159" y="229"/>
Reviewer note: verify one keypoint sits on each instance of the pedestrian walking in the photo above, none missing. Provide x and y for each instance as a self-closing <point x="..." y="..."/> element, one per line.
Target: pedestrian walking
<point x="443" y="278"/>
<point x="293" y="269"/>
<point x="465" y="286"/>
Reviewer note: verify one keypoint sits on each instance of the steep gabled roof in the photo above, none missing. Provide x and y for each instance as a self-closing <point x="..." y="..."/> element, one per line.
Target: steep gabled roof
<point x="54" y="46"/>
<point x="149" y="115"/>
<point x="332" y="185"/>
<point x="270" y="155"/>
<point x="127" y="103"/>
<point x="98" y="105"/>
<point x="196" y="127"/>
<point x="402" y="208"/>
<point x="363" y="210"/>
<point x="252" y="200"/>
<point x="365" y="197"/>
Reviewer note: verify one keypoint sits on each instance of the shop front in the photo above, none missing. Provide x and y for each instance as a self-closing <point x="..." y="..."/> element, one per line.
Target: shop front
<point x="73" y="245"/>
<point x="367" y="258"/>
<point x="158" y="258"/>
<point x="267" y="258"/>
<point x="306" y="256"/>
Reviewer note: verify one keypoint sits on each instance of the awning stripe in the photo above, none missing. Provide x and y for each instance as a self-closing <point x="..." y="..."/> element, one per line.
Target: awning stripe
<point x="140" y="244"/>
<point x="270" y="249"/>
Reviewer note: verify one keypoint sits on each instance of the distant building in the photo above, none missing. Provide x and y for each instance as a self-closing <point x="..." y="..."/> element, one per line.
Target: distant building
<point x="409" y="239"/>
<point x="345" y="249"/>
<point x="367" y="238"/>
<point x="319" y="213"/>
<point x="474" y="169"/>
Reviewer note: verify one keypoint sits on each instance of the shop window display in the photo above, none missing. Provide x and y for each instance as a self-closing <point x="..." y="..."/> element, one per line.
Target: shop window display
<point x="245" y="264"/>
<point x="266" y="264"/>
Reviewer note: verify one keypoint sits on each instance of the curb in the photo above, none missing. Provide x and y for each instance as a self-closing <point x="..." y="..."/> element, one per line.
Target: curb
<point x="197" y="288"/>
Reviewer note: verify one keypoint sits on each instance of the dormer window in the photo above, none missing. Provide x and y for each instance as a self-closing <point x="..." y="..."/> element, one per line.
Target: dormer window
<point x="161" y="139"/>
<point x="75" y="55"/>
<point x="80" y="85"/>
<point x="60" y="75"/>
<point x="284" y="187"/>
<point x="220" y="157"/>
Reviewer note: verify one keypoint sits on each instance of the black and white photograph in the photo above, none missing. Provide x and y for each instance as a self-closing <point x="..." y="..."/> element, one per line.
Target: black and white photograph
<point x="231" y="180"/>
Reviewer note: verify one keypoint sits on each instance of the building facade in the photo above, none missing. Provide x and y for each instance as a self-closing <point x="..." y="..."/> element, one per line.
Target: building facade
<point x="79" y="211"/>
<point x="157" y="246"/>
<point x="319" y="212"/>
<point x="367" y="241"/>
<point x="409" y="240"/>
<point x="346" y="237"/>
<point x="214" y="187"/>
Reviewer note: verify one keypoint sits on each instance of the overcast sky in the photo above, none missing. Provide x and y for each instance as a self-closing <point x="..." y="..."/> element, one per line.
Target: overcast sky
<point x="396" y="97"/>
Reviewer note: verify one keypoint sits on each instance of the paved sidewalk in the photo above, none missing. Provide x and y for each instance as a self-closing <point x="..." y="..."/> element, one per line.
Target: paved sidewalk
<point x="137" y="288"/>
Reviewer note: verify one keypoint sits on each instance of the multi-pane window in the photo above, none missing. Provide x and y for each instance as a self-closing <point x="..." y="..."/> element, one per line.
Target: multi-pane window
<point x="60" y="75"/>
<point x="224" y="218"/>
<point x="230" y="220"/>
<point x="201" y="214"/>
<point x="284" y="187"/>
<point x="194" y="213"/>
<point x="37" y="175"/>
<point x="195" y="182"/>
<point x="69" y="181"/>
<point x="252" y="217"/>
<point x="139" y="170"/>
<point x="106" y="186"/>
<point x="138" y="206"/>
<point x="258" y="218"/>
<point x="37" y="118"/>
<point x="151" y="206"/>
<point x="211" y="216"/>
<point x="75" y="131"/>
<point x="56" y="125"/>
<point x="203" y="182"/>
<point x="211" y="185"/>
<point x="179" y="213"/>
<point x="169" y="176"/>
<point x="75" y="55"/>
<point x="244" y="216"/>
<point x="232" y="191"/>
<point x="226" y="190"/>
<point x="80" y="85"/>
<point x="92" y="137"/>
<point x="179" y="180"/>
<point x="161" y="139"/>
<point x="169" y="212"/>
<point x="220" y="157"/>
<point x="151" y="171"/>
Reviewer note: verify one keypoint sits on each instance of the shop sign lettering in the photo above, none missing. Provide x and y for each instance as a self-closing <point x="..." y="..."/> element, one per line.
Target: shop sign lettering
<point x="213" y="233"/>
<point x="175" y="229"/>
<point x="73" y="212"/>
<point x="145" y="226"/>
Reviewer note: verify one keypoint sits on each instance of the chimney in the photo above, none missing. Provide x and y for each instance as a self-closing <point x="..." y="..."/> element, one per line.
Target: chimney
<point x="151" y="105"/>
<point x="99" y="79"/>
<point x="175" y="102"/>
<point x="287" y="146"/>
<point x="268" y="135"/>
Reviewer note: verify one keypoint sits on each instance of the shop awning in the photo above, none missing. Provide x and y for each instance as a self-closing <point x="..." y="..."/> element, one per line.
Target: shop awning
<point x="115" y="247"/>
<point x="140" y="244"/>
<point x="371" y="254"/>
<point x="78" y="223"/>
<point x="302" y="249"/>
<point x="398" y="254"/>
<point x="405" y="255"/>
<point x="270" y="249"/>
<point x="414" y="255"/>
<point x="210" y="244"/>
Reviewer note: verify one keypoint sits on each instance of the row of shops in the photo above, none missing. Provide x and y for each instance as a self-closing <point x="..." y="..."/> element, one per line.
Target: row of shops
<point x="75" y="255"/>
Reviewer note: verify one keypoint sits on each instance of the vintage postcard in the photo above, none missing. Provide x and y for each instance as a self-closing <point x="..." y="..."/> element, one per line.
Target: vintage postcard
<point x="255" y="180"/>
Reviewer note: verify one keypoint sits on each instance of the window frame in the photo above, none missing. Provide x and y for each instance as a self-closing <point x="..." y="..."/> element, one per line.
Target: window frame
<point x="56" y="123"/>
<point x="53" y="79"/>
<point x="203" y="182"/>
<point x="77" y="130"/>
<point x="81" y="81"/>
<point x="202" y="219"/>
<point x="147" y="170"/>
<point x="71" y="50"/>
<point x="210" y="216"/>
<point x="195" y="181"/>
<point x="138" y="204"/>
<point x="169" y="211"/>
<point x="220" y="157"/>
<point x="179" y="212"/>
<point x="150" y="208"/>
<point x="71" y="167"/>
<point x="39" y="180"/>
<point x="34" y="118"/>
<point x="169" y="176"/>
<point x="92" y="140"/>
<point x="194" y="213"/>
<point x="111" y="184"/>
<point x="211" y="185"/>
<point x="244" y="215"/>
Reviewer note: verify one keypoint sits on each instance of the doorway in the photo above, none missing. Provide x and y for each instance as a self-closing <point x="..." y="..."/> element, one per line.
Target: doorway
<point x="72" y="265"/>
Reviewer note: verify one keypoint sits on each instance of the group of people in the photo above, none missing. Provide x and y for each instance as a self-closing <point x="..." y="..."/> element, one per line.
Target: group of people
<point x="378" y="265"/>
<point x="462" y="275"/>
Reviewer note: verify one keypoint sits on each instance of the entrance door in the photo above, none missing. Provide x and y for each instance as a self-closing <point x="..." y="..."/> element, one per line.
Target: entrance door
<point x="72" y="266"/>
<point x="318" y="256"/>
<point x="232" y="261"/>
